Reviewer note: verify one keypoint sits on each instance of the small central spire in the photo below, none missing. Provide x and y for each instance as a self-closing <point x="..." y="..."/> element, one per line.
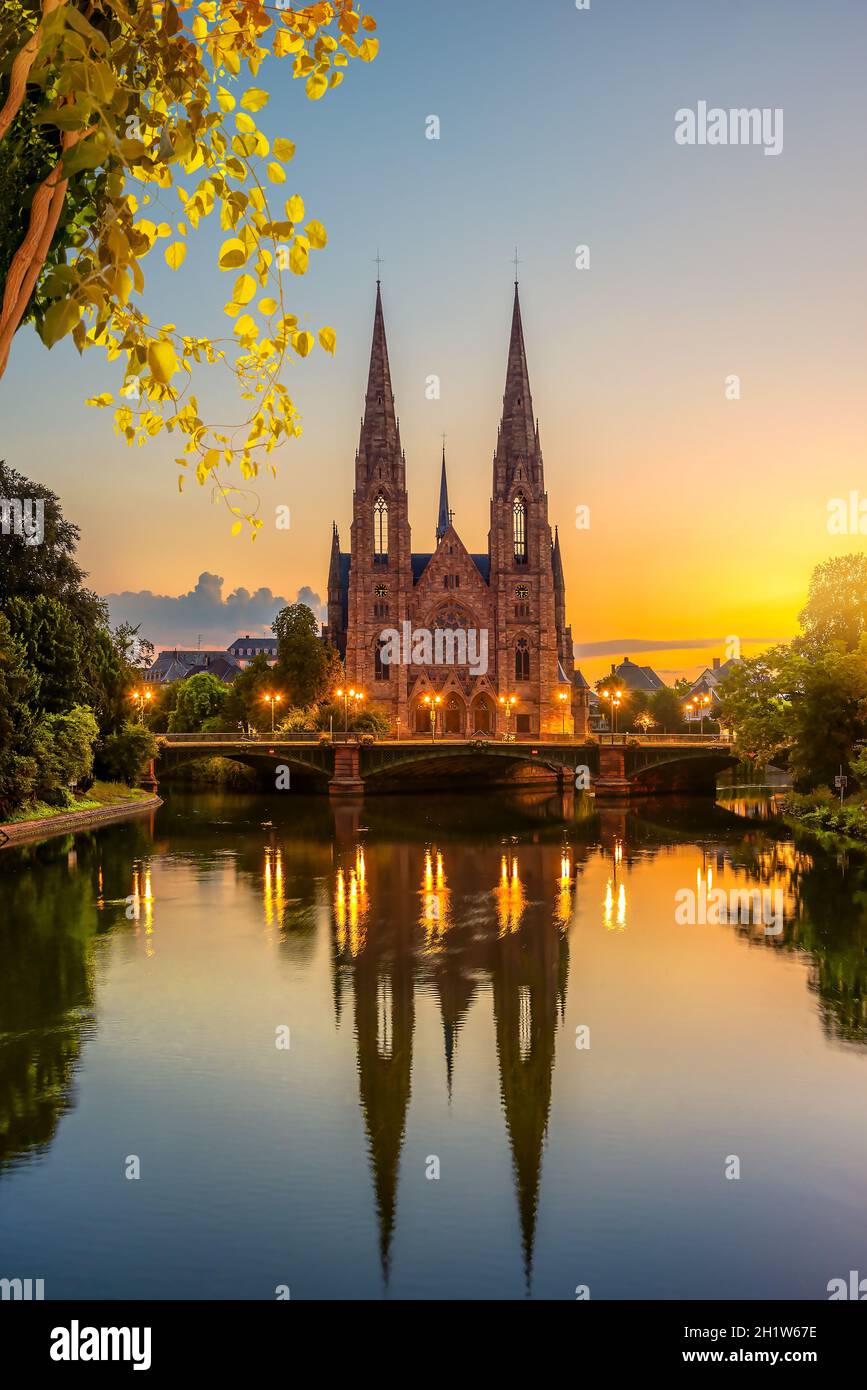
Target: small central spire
<point x="445" y="516"/>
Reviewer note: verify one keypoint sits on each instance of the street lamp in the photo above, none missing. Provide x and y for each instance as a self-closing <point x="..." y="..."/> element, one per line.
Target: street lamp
<point x="432" y="703"/>
<point x="139" y="697"/>
<point x="272" y="700"/>
<point x="614" y="698"/>
<point x="563" y="697"/>
<point x="703" y="703"/>
<point x="508" y="702"/>
<point x="347" y="696"/>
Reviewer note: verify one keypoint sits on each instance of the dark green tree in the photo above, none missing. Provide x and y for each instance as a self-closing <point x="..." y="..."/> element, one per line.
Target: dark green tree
<point x="306" y="666"/>
<point x="201" y="696"/>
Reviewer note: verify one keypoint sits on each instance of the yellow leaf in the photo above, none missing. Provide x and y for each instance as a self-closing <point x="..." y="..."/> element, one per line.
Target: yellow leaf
<point x="298" y="260"/>
<point x="162" y="361"/>
<point x="267" y="306"/>
<point x="175" y="254"/>
<point x="317" y="85"/>
<point x="317" y="235"/>
<point x="254" y="99"/>
<point x="302" y="343"/>
<point x="245" y="288"/>
<point x="368" y="50"/>
<point x="232" y="254"/>
<point x="327" y="339"/>
<point x="276" y="173"/>
<point x="236" y="527"/>
<point x="283" y="149"/>
<point x="225" y="99"/>
<point x="105" y="399"/>
<point x="246" y="326"/>
<point x="295" y="208"/>
<point x="245" y="124"/>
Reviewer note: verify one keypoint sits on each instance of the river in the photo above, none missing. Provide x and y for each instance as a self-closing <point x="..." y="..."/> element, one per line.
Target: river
<point x="431" y="1047"/>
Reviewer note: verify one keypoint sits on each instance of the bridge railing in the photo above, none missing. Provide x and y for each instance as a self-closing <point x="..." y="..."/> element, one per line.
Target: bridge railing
<point x="689" y="740"/>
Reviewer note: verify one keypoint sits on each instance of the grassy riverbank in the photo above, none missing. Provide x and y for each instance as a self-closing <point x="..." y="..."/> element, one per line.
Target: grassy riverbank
<point x="822" y="814"/>
<point x="101" y="796"/>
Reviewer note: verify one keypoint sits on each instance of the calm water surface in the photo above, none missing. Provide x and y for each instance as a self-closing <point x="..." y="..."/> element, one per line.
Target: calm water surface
<point x="432" y="959"/>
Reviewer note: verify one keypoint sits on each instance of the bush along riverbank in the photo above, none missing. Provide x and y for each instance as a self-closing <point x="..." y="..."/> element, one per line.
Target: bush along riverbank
<point x="103" y="801"/>
<point x="821" y="813"/>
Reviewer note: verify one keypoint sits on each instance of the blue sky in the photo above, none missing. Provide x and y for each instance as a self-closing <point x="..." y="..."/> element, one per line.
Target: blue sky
<point x="557" y="129"/>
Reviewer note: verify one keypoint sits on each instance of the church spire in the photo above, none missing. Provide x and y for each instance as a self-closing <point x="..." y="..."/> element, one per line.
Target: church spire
<point x="517" y="437"/>
<point x="557" y="562"/>
<point x="518" y="422"/>
<point x="380" y="436"/>
<point x="444" y="516"/>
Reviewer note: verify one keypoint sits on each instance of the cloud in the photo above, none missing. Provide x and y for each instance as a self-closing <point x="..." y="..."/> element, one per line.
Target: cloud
<point x="628" y="646"/>
<point x="179" y="621"/>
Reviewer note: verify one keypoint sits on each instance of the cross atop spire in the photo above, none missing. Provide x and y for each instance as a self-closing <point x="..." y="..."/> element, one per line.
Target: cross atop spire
<point x="517" y="263"/>
<point x="378" y="262"/>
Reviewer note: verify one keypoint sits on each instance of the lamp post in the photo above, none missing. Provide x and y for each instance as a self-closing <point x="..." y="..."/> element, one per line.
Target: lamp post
<point x="272" y="700"/>
<point x="508" y="702"/>
<point x="139" y="697"/>
<point x="432" y="703"/>
<point x="351" y="695"/>
<point x="614" y="698"/>
<point x="703" y="703"/>
<point x="563" y="697"/>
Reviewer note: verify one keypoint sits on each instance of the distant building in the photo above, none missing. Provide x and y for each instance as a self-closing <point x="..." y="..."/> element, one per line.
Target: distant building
<point x="176" y="665"/>
<point x="244" y="649"/>
<point x="707" y="683"/>
<point x="633" y="677"/>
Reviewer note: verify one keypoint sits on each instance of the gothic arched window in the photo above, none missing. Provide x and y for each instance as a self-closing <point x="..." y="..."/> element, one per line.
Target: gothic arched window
<point x="381" y="669"/>
<point x="522" y="660"/>
<point x="519" y="529"/>
<point x="380" y="529"/>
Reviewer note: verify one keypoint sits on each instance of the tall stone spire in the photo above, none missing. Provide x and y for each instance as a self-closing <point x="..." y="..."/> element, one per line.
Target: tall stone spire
<point x="380" y="437"/>
<point x="517" y="440"/>
<point x="443" y="518"/>
<point x="557" y="562"/>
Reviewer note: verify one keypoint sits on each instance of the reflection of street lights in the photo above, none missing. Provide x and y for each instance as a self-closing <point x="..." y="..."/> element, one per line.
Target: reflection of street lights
<point x="272" y="700"/>
<point x="563" y="697"/>
<point x="139" y="697"/>
<point x="432" y="704"/>
<point x="614" y="698"/>
<point x="508" y="702"/>
<point x="355" y="696"/>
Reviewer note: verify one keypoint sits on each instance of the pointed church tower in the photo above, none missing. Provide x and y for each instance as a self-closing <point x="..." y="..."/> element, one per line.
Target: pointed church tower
<point x="335" y="631"/>
<point x="444" y="516"/>
<point x="520" y="546"/>
<point x="564" y="632"/>
<point x="381" y="564"/>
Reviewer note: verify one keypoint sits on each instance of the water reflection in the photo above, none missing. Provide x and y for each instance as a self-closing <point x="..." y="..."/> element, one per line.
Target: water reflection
<point x="477" y="907"/>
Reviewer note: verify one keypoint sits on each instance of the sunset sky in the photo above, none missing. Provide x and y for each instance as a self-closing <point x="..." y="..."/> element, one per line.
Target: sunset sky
<point x="557" y="129"/>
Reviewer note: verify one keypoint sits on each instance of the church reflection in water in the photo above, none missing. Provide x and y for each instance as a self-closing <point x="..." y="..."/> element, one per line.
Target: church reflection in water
<point x="500" y="934"/>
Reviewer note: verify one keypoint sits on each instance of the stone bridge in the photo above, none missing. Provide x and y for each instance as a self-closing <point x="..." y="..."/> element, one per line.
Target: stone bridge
<point x="610" y="767"/>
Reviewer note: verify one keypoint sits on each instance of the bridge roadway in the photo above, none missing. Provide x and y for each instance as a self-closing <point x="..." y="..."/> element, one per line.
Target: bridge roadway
<point x="609" y="765"/>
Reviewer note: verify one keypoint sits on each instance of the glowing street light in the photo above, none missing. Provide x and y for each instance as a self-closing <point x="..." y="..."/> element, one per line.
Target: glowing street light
<point x="432" y="703"/>
<point x="563" y="696"/>
<point x="614" y="698"/>
<point x="508" y="702"/>
<point x="272" y="700"/>
<point x="139" y="697"/>
<point x="352" y="696"/>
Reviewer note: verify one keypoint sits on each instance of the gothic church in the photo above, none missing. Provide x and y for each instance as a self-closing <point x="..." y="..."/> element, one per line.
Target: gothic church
<point x="515" y="594"/>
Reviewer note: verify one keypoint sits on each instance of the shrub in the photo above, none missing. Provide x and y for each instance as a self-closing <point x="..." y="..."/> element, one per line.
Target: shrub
<point x="123" y="757"/>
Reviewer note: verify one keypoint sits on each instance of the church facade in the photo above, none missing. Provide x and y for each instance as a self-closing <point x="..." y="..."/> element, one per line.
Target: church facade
<point x="475" y="644"/>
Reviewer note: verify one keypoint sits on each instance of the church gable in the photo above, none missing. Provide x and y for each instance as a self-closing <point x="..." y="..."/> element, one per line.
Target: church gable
<point x="452" y="573"/>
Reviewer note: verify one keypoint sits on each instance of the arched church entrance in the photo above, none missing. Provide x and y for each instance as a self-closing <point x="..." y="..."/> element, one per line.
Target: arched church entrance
<point x="483" y="716"/>
<point x="454" y="716"/>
